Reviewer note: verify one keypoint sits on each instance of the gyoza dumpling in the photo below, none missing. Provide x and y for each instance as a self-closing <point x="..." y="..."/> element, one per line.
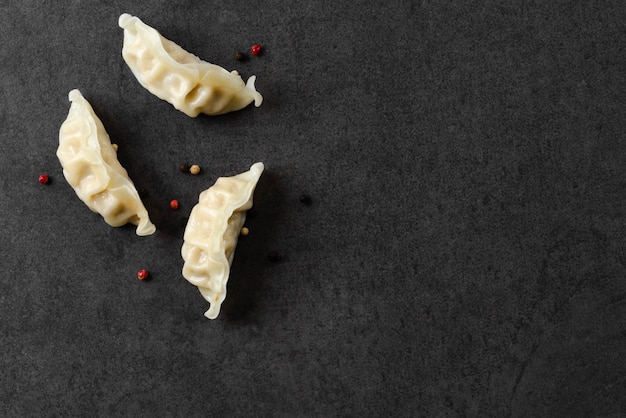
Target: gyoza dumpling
<point x="91" y="167"/>
<point x="169" y="72"/>
<point x="212" y="231"/>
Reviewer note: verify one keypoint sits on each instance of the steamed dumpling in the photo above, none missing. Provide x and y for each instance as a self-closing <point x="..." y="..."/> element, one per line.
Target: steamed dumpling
<point x="212" y="231"/>
<point x="169" y="72"/>
<point x="91" y="167"/>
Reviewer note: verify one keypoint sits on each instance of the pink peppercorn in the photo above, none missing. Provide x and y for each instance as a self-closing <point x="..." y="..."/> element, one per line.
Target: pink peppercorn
<point x="43" y="179"/>
<point x="174" y="204"/>
<point x="142" y="274"/>
<point x="256" y="50"/>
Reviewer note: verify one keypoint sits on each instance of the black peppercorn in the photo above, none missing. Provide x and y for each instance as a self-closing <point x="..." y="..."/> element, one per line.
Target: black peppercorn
<point x="305" y="199"/>
<point x="184" y="168"/>
<point x="240" y="56"/>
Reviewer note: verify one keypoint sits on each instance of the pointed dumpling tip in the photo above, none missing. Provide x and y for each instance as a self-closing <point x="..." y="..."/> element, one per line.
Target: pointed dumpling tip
<point x="75" y="95"/>
<point x="258" y="99"/>
<point x="124" y="20"/>
<point x="213" y="311"/>
<point x="257" y="167"/>
<point x="145" y="227"/>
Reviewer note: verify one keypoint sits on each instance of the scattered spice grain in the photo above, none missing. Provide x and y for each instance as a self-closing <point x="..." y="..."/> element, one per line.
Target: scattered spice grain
<point x="305" y="199"/>
<point x="256" y="50"/>
<point x="240" y="56"/>
<point x="142" y="274"/>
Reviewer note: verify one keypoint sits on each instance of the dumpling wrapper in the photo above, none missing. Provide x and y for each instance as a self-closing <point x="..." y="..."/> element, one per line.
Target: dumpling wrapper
<point x="212" y="232"/>
<point x="91" y="167"/>
<point x="169" y="72"/>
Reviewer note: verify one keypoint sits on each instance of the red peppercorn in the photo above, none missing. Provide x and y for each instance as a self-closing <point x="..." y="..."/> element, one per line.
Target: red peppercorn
<point x="256" y="50"/>
<point x="142" y="274"/>
<point x="43" y="179"/>
<point x="174" y="204"/>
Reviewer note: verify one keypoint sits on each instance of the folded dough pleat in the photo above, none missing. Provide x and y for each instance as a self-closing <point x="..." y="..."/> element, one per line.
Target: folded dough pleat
<point x="212" y="232"/>
<point x="91" y="167"/>
<point x="169" y="72"/>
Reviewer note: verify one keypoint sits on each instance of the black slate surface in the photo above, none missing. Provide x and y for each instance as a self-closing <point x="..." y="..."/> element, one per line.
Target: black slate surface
<point x="463" y="255"/>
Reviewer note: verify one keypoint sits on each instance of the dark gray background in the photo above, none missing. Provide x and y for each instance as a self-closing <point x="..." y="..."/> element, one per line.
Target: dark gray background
<point x="464" y="254"/>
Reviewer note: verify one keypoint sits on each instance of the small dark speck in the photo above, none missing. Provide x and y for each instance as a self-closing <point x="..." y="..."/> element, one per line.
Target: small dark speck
<point x="274" y="257"/>
<point x="184" y="168"/>
<point x="240" y="56"/>
<point x="305" y="199"/>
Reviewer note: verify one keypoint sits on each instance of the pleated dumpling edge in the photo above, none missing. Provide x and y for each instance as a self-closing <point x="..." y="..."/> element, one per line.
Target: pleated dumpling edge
<point x="190" y="84"/>
<point x="212" y="232"/>
<point x="91" y="168"/>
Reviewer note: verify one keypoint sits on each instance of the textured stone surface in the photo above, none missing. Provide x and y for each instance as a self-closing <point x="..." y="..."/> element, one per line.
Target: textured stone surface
<point x="463" y="254"/>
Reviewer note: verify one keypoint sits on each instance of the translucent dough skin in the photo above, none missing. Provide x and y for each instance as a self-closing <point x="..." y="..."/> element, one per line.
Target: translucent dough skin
<point x="91" y="167"/>
<point x="212" y="231"/>
<point x="169" y="72"/>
